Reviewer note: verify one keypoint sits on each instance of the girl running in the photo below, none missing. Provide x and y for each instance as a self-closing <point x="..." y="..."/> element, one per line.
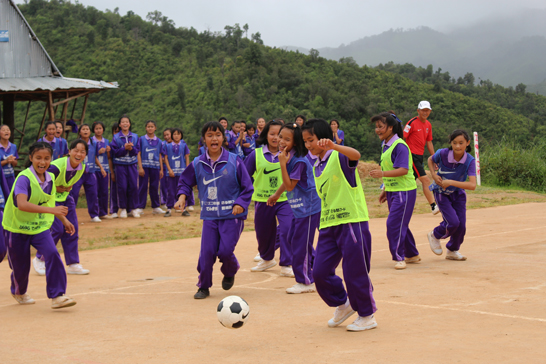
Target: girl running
<point x="339" y="135"/>
<point x="298" y="181"/>
<point x="456" y="165"/>
<point x="125" y="147"/>
<point x="29" y="214"/>
<point x="225" y="191"/>
<point x="103" y="148"/>
<point x="8" y="155"/>
<point x="150" y="168"/>
<point x="343" y="231"/>
<point x="89" y="180"/>
<point x="177" y="158"/>
<point x="270" y="205"/>
<point x="59" y="148"/>
<point x="114" y="207"/>
<point x="167" y="138"/>
<point x="400" y="189"/>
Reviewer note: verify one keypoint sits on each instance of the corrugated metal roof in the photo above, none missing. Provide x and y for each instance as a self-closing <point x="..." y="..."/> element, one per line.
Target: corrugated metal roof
<point x="22" y="55"/>
<point x="51" y="84"/>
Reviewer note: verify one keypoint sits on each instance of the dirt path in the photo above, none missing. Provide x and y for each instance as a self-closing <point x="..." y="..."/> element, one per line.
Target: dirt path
<point x="137" y="305"/>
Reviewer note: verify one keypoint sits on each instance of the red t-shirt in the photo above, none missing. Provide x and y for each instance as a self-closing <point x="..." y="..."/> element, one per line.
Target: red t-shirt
<point x="417" y="134"/>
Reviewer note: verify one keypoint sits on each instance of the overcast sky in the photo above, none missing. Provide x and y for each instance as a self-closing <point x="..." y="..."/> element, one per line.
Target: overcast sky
<point x="319" y="23"/>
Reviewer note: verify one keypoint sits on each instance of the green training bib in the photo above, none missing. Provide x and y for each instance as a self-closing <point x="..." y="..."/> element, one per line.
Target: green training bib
<point x="267" y="178"/>
<point x="62" y="164"/>
<point x="402" y="183"/>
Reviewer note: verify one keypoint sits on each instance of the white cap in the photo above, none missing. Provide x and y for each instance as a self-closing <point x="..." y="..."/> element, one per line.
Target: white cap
<point x="424" y="105"/>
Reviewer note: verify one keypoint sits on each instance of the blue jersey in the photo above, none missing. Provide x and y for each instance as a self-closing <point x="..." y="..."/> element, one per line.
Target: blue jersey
<point x="4" y="154"/>
<point x="250" y="140"/>
<point x="238" y="148"/>
<point x="457" y="172"/>
<point x="102" y="157"/>
<point x="120" y="141"/>
<point x="89" y="160"/>
<point x="150" y="152"/>
<point x="303" y="201"/>
<point x="219" y="189"/>
<point x="202" y="150"/>
<point x="177" y="161"/>
<point x="59" y="147"/>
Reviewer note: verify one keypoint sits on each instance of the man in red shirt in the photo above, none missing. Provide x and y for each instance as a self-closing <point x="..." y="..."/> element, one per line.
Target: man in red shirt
<point x="418" y="133"/>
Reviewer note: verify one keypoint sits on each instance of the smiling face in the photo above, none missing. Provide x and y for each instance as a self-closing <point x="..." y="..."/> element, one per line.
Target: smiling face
<point x="459" y="145"/>
<point x="177" y="136"/>
<point x="40" y="160"/>
<point x="299" y="121"/>
<point x="286" y="140"/>
<point x="236" y="128"/>
<point x="51" y="131"/>
<point x="167" y="136"/>
<point x="150" y="128"/>
<point x="311" y="143"/>
<point x="250" y="131"/>
<point x="423" y="114"/>
<point x="224" y="123"/>
<point x="273" y="137"/>
<point x="59" y="129"/>
<point x="85" y="132"/>
<point x="124" y="125"/>
<point x="383" y="131"/>
<point x="77" y="155"/>
<point x="214" y="139"/>
<point x="5" y="133"/>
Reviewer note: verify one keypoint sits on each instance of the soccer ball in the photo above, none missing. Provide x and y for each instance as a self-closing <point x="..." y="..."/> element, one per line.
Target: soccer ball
<point x="233" y="312"/>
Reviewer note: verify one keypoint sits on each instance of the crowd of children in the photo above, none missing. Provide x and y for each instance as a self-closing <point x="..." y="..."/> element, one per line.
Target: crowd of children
<point x="300" y="175"/>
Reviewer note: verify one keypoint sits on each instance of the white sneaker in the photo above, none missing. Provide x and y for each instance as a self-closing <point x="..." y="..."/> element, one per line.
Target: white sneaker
<point x="76" y="269"/>
<point x="23" y="299"/>
<point x="114" y="215"/>
<point x="401" y="264"/>
<point x="140" y="211"/>
<point x="157" y="211"/>
<point x="163" y="207"/>
<point x="287" y="272"/>
<point x="435" y="210"/>
<point x="257" y="258"/>
<point x="135" y="213"/>
<point x="39" y="266"/>
<point x="190" y="208"/>
<point x="107" y="217"/>
<point x="341" y="314"/>
<point x="301" y="288"/>
<point x="123" y="214"/>
<point x="434" y="243"/>
<point x="263" y="265"/>
<point x="363" y="323"/>
<point x="413" y="260"/>
<point x="62" y="302"/>
<point x="454" y="255"/>
<point x="96" y="219"/>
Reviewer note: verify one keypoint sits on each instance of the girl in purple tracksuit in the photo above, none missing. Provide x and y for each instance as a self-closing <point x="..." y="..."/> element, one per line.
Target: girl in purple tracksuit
<point x="225" y="190"/>
<point x="177" y="158"/>
<point x="89" y="180"/>
<point x="298" y="181"/>
<point x="8" y="155"/>
<point x="456" y="165"/>
<point x="271" y="205"/>
<point x="59" y="148"/>
<point x="125" y="147"/>
<point x="150" y="168"/>
<point x="167" y="138"/>
<point x="229" y="136"/>
<point x="103" y="148"/>
<point x="250" y="142"/>
<point x="4" y="193"/>
<point x="59" y="135"/>
<point x="114" y="207"/>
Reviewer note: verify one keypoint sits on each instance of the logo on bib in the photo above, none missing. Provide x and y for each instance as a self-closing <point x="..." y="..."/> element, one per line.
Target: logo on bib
<point x="273" y="181"/>
<point x="271" y="171"/>
<point x="212" y="193"/>
<point x="205" y="182"/>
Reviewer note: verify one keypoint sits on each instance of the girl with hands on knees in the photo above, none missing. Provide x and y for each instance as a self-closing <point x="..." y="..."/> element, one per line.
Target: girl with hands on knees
<point x="225" y="191"/>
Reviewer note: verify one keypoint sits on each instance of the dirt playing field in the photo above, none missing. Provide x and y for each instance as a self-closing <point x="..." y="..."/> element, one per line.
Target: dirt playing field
<point x="137" y="305"/>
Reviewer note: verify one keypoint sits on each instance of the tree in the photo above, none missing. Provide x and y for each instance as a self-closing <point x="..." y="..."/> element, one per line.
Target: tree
<point x="314" y="54"/>
<point x="257" y="38"/>
<point x="154" y="17"/>
<point x="469" y="79"/>
<point x="181" y="95"/>
<point x="245" y="28"/>
<point x="520" y="88"/>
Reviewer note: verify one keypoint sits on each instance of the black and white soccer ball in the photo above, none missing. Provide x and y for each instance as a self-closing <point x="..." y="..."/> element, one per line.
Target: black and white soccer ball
<point x="233" y="312"/>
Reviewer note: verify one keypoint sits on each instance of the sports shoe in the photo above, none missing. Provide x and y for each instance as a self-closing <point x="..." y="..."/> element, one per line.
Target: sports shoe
<point x="301" y="288"/>
<point x="257" y="258"/>
<point x="114" y="215"/>
<point x="157" y="211"/>
<point x="23" y="299"/>
<point x="263" y="265"/>
<point x="190" y="208"/>
<point x="62" y="302"/>
<point x="123" y="214"/>
<point x="341" y="314"/>
<point x="413" y="260"/>
<point x="163" y="207"/>
<point x="135" y="213"/>
<point x="96" y="219"/>
<point x="107" y="216"/>
<point x="39" y="266"/>
<point x="185" y="213"/>
<point x="167" y="214"/>
<point x="363" y="323"/>
<point x="76" y="269"/>
<point x="287" y="272"/>
<point x="435" y="209"/>
<point x="227" y="283"/>
<point x="401" y="264"/>
<point x="201" y="293"/>
<point x="454" y="255"/>
<point x="434" y="243"/>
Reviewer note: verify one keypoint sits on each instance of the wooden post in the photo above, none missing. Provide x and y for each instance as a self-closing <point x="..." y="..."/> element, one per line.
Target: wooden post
<point x="42" y="123"/>
<point x="51" y="108"/>
<point x="84" y="108"/>
<point x="65" y="110"/>
<point x="8" y="109"/>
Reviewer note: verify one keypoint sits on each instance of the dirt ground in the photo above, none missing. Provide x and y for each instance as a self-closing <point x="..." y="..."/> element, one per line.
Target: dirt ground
<point x="137" y="305"/>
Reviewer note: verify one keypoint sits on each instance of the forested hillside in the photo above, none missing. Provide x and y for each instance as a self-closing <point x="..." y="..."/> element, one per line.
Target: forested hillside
<point x="180" y="77"/>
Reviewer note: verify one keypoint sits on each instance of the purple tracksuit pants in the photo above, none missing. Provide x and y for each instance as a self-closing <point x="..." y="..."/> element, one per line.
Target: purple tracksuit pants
<point x="127" y="185"/>
<point x="302" y="236"/>
<point x="353" y="243"/>
<point x="172" y="187"/>
<point x="69" y="243"/>
<point x="151" y="179"/>
<point x="163" y="186"/>
<point x="89" y="182"/>
<point x="114" y="207"/>
<point x="453" y="209"/>
<point x="401" y="241"/>
<point x="3" y="247"/>
<point x="219" y="239"/>
<point x="19" y="258"/>
<point x="10" y="181"/>
<point x="102" y="192"/>
<point x="265" y="225"/>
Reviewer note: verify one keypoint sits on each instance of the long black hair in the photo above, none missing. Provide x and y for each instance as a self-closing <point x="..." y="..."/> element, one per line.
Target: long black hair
<point x="299" y="144"/>
<point x="36" y="147"/>
<point x="455" y="134"/>
<point x="262" y="139"/>
<point x="390" y="119"/>
<point x="213" y="126"/>
<point x="318" y="127"/>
